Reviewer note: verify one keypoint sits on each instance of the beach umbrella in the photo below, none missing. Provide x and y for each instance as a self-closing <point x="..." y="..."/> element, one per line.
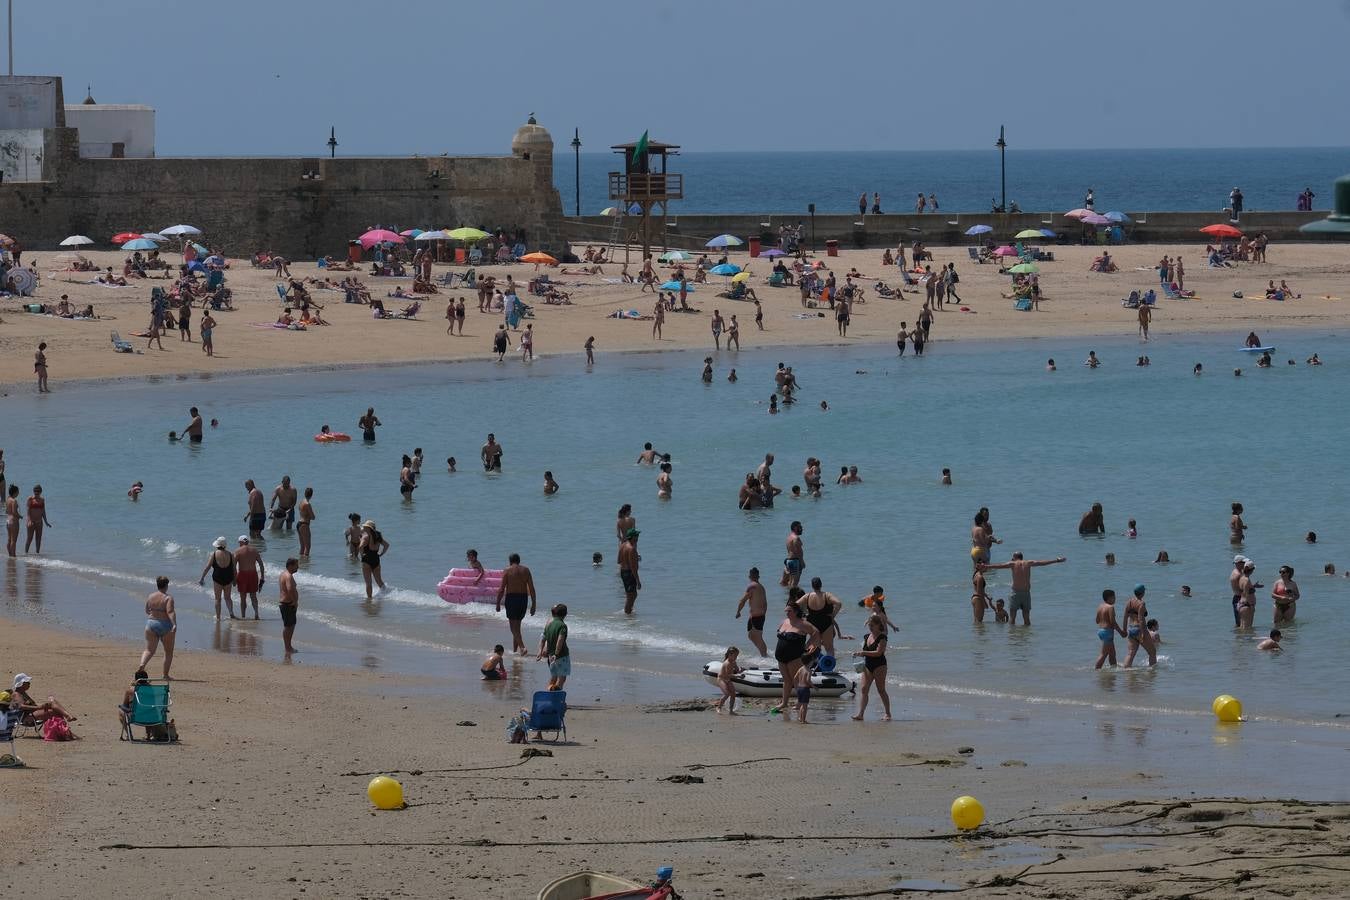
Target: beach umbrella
<point x="978" y="229"/>
<point x="200" y="249"/>
<point x="1046" y="232"/>
<point x="725" y="240"/>
<point x="76" y="240"/>
<point x="772" y="252"/>
<point x="725" y="269"/>
<point x="741" y="276"/>
<point x="1094" y="219"/>
<point x="610" y="211"/>
<point x="1024" y="269"/>
<point x="538" y="258"/>
<point x="379" y="236"/>
<point x="1005" y="250"/>
<point x="1077" y="213"/>
<point x="467" y="234"/>
<point x="140" y="243"/>
<point x="673" y="256"/>
<point x="675" y="286"/>
<point x="1118" y="216"/>
<point x="1222" y="230"/>
<point x="123" y="236"/>
<point x="1028" y="233"/>
<point x="432" y="236"/>
<point x="6" y="240"/>
<point x="180" y="229"/>
<point x="411" y="232"/>
<point x="155" y="236"/>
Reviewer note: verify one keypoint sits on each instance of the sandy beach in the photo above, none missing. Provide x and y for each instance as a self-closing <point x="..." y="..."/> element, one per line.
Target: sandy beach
<point x="265" y="795"/>
<point x="1077" y="302"/>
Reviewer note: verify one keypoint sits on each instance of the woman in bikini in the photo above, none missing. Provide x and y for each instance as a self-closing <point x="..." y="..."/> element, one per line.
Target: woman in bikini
<point x="873" y="655"/>
<point x="796" y="638"/>
<point x="1285" y="594"/>
<point x="1237" y="529"/>
<point x="161" y="625"/>
<point x="221" y="566"/>
<point x="40" y="367"/>
<point x="37" y="519"/>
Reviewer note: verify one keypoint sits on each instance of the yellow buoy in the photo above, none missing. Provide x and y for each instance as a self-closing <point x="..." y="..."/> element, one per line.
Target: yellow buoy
<point x="1229" y="710"/>
<point x="385" y="792"/>
<point x="967" y="813"/>
<point x="1219" y="701"/>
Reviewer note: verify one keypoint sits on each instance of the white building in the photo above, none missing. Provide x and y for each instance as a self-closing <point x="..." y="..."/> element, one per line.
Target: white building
<point x="105" y="126"/>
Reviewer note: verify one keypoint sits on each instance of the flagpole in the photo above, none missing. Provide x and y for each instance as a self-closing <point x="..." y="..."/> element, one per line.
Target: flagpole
<point x="11" y="37"/>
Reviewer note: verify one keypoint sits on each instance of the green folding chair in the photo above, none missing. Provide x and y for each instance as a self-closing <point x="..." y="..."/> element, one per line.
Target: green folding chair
<point x="150" y="710"/>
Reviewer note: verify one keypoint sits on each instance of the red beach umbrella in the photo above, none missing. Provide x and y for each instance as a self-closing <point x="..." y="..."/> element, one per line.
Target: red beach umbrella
<point x="1222" y="230"/>
<point x="122" y="237"/>
<point x="379" y="236"/>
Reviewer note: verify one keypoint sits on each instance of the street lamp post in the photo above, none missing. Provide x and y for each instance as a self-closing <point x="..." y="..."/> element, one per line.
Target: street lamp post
<point x="576" y="149"/>
<point x="811" y="208"/>
<point x="332" y="142"/>
<point x="1002" y="146"/>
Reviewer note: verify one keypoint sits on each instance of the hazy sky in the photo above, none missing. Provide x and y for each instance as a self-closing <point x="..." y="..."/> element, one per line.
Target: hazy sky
<point x="433" y="76"/>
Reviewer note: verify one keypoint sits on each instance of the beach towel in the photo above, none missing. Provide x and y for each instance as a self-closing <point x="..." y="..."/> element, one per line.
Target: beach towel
<point x="819" y="315"/>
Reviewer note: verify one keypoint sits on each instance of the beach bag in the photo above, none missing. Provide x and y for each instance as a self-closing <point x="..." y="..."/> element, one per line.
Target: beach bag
<point x="56" y="729"/>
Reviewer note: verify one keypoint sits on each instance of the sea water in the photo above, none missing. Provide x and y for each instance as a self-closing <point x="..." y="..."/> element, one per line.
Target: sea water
<point x="784" y="182"/>
<point x="1157" y="444"/>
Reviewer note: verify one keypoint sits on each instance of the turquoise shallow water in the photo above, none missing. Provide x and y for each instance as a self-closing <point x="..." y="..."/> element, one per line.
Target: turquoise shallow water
<point x="1156" y="444"/>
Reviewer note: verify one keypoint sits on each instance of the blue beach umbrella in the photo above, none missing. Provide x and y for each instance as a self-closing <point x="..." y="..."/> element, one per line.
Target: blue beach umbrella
<point x="140" y="244"/>
<point x="725" y="269"/>
<point x="1046" y="232"/>
<point x="1117" y="216"/>
<point x="978" y="229"/>
<point x="772" y="252"/>
<point x="725" y="240"/>
<point x="675" y="286"/>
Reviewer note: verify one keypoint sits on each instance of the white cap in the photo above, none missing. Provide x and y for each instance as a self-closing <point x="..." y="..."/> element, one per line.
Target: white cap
<point x="243" y="539"/>
<point x="1239" y="559"/>
<point x="220" y="542"/>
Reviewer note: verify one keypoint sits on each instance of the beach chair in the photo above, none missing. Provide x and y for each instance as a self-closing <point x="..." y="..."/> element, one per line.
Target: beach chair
<point x="9" y="721"/>
<point x="410" y="311"/>
<point x="281" y="292"/>
<point x="548" y="712"/>
<point x="975" y="255"/>
<point x="120" y="345"/>
<point x="777" y="279"/>
<point x="150" y="710"/>
<point x="475" y="257"/>
<point x="1150" y="298"/>
<point x="1132" y="301"/>
<point x="1023" y="304"/>
<point x="322" y="263"/>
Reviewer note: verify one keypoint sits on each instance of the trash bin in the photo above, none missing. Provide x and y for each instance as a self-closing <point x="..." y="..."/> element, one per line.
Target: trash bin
<point x="831" y="248"/>
<point x="754" y="247"/>
<point x="354" y="252"/>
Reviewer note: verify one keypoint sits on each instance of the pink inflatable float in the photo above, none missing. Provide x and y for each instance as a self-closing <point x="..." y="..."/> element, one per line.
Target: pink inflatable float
<point x="459" y="587"/>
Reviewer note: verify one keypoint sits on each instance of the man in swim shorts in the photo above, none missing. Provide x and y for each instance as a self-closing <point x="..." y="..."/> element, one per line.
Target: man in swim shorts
<point x="628" y="569"/>
<point x="194" y="428"/>
<point x="249" y="575"/>
<point x="759" y="608"/>
<point x="289" y="602"/>
<point x="795" y="562"/>
<point x="1107" y="628"/>
<point x="491" y="454"/>
<point x="553" y="645"/>
<point x="517" y="593"/>
<point x="1020" y="594"/>
<point x="257" y="509"/>
<point x="283" y="503"/>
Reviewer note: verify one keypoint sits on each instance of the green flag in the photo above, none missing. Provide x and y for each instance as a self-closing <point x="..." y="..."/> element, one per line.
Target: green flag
<point x="640" y="154"/>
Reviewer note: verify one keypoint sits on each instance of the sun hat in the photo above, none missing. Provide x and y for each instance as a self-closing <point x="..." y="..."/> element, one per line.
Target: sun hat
<point x="1239" y="559"/>
<point x="369" y="523"/>
<point x="243" y="539"/>
<point x="20" y="680"/>
<point x="219" y="543"/>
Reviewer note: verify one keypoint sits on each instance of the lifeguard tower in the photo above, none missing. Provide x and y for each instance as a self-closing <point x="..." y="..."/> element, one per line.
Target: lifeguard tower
<point x="644" y="187"/>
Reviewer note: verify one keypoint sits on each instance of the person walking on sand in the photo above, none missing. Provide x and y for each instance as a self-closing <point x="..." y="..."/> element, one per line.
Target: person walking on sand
<point x="758" y="601"/>
<point x="249" y="575"/>
<point x="628" y="569"/>
<point x="289" y="602"/>
<point x="1020" y="595"/>
<point x="257" y="509"/>
<point x="658" y="318"/>
<point x="221" y="566"/>
<point x="517" y="594"/>
<point x="371" y="552"/>
<point x="208" y="329"/>
<point x="1145" y="317"/>
<point x="37" y="519"/>
<point x="873" y="654"/>
<point x="1107" y="628"/>
<point x="734" y="333"/>
<point x="553" y="645"/>
<point x="302" y="528"/>
<point x="725" y="675"/>
<point x="759" y="318"/>
<point x="717" y="326"/>
<point x="161" y="625"/>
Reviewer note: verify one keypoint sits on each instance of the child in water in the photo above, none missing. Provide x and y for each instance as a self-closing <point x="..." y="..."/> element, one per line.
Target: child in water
<point x="493" y="669"/>
<point x="450" y="465"/>
<point x="1000" y="611"/>
<point x="135" y="492"/>
<point x="724" y="676"/>
<point x="1272" y="642"/>
<point x="1132" y="531"/>
<point x="1153" y="630"/>
<point x="597" y="559"/>
<point x="173" y="436"/>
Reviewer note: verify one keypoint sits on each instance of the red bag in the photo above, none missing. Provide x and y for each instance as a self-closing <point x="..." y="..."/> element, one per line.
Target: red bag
<point x="56" y="729"/>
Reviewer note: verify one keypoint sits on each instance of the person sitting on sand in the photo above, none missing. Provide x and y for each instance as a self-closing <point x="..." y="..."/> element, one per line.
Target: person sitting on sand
<point x="112" y="279"/>
<point x="286" y="318"/>
<point x="35" y="713"/>
<point x="1103" y="263"/>
<point x="886" y="258"/>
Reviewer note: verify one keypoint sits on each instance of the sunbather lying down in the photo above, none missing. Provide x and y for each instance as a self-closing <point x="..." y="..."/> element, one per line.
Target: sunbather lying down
<point x="627" y="314"/>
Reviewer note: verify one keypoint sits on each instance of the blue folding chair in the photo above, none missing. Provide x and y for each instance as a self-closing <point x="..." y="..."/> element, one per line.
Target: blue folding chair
<point x="549" y="713"/>
<point x="150" y="710"/>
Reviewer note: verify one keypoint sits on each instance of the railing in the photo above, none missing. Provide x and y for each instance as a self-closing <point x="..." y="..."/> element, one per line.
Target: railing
<point x="645" y="186"/>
